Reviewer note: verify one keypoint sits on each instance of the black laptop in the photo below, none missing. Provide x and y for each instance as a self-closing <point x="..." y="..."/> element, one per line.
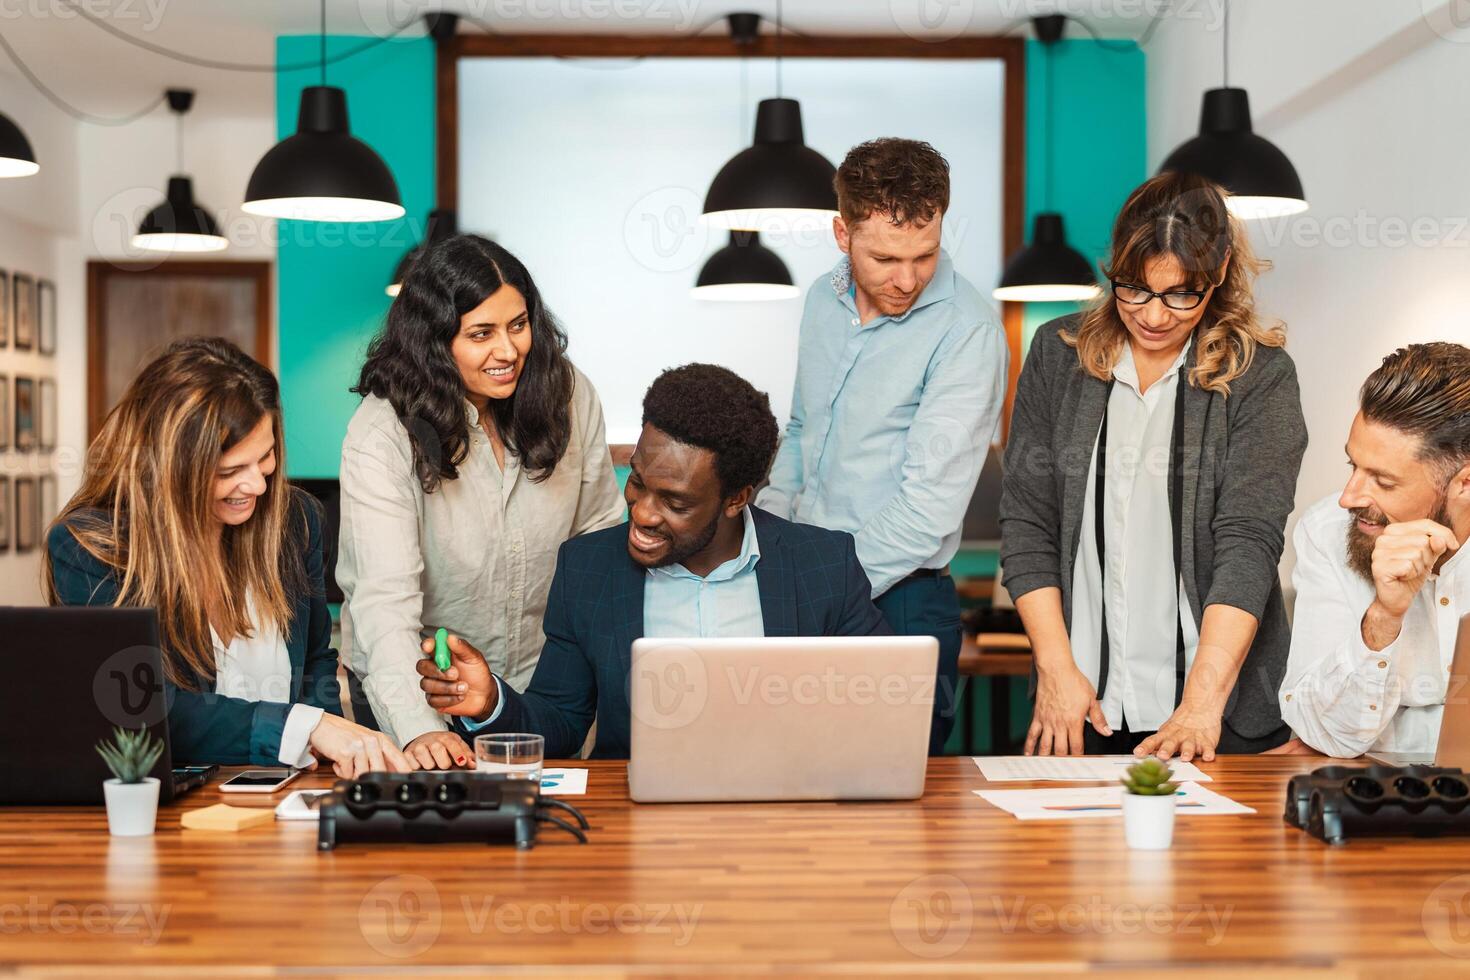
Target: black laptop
<point x="68" y="676"/>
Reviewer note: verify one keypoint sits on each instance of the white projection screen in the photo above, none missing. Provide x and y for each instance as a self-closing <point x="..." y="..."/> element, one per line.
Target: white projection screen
<point x="593" y="172"/>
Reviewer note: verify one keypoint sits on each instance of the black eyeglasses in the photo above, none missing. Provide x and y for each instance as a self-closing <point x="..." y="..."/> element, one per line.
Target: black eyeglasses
<point x="1174" y="299"/>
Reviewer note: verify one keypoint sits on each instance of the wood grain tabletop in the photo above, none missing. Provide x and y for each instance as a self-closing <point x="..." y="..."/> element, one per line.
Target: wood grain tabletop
<point x="943" y="884"/>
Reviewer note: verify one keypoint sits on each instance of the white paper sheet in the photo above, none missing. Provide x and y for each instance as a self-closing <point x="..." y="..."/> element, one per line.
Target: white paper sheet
<point x="1100" y="801"/>
<point x="1082" y="768"/>
<point x="563" y="782"/>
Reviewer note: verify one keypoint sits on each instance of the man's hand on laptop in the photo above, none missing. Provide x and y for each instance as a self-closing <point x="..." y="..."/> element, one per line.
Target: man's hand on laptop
<point x="466" y="689"/>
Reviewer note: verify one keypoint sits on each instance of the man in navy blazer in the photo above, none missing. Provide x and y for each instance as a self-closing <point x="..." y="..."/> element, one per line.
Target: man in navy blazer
<point x="696" y="559"/>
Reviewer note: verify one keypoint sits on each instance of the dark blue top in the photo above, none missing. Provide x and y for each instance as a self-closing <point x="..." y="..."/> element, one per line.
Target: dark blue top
<point x="810" y="581"/>
<point x="205" y="727"/>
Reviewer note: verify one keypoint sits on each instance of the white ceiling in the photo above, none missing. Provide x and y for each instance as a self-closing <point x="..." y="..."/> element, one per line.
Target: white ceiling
<point x="104" y="75"/>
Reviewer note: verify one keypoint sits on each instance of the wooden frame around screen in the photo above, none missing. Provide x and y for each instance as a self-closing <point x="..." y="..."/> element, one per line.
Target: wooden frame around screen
<point x="98" y="272"/>
<point x="1009" y="50"/>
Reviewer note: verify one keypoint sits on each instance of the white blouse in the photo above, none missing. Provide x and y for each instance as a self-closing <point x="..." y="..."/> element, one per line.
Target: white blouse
<point x="1144" y="595"/>
<point x="258" y="668"/>
<point x="476" y="556"/>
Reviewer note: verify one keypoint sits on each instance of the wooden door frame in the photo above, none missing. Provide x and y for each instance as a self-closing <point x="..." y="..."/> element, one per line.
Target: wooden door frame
<point x="99" y="271"/>
<point x="1011" y="51"/>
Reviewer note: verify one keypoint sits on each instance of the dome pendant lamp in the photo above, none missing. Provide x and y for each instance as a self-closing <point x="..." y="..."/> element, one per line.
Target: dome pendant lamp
<point x="179" y="224"/>
<point x="17" y="159"/>
<point x="744" y="270"/>
<point x="777" y="183"/>
<point x="323" y="173"/>
<point x="1048" y="269"/>
<point x="1259" y="179"/>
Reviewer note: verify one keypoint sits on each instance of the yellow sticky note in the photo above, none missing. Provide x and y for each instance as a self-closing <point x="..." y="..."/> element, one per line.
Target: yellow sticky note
<point x="222" y="816"/>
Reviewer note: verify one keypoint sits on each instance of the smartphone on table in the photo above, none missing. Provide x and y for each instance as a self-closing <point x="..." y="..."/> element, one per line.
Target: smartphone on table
<point x="259" y="780"/>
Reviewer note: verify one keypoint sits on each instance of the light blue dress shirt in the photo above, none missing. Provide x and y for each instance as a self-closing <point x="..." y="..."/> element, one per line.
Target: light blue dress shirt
<point x="676" y="602"/>
<point x="726" y="602"/>
<point x="891" y="421"/>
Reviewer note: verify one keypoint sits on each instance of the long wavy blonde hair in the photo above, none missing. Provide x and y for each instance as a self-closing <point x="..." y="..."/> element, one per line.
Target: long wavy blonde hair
<point x="1184" y="216"/>
<point x="145" y="507"/>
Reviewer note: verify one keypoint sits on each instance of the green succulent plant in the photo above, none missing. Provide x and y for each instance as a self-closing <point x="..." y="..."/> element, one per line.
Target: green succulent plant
<point x="1148" y="778"/>
<point x="131" y="755"/>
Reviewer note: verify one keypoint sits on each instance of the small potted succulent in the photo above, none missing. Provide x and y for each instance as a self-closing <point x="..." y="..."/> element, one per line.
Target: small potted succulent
<point x="132" y="796"/>
<point x="1148" y="805"/>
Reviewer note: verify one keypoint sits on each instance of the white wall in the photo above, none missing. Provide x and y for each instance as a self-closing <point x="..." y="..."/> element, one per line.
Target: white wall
<point x="38" y="219"/>
<point x="1371" y="108"/>
<point x="594" y="176"/>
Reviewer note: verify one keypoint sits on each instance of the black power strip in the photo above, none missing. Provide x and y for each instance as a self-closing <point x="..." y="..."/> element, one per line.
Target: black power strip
<point x="1336" y="803"/>
<point x="440" y="808"/>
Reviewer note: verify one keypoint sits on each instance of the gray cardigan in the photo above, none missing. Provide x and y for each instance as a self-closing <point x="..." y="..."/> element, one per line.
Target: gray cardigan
<point x="1241" y="459"/>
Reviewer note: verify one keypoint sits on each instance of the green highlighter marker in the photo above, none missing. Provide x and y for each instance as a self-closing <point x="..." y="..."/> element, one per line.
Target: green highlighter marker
<point x="441" y="648"/>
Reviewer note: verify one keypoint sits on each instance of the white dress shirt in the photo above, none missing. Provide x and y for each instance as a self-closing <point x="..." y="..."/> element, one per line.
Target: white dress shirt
<point x="475" y="556"/>
<point x="1145" y="598"/>
<point x="1341" y="697"/>
<point x="258" y="668"/>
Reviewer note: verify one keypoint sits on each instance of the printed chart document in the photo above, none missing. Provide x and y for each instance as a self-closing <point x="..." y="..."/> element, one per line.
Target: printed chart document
<point x="564" y="782"/>
<point x="1100" y="801"/>
<point x="1010" y="768"/>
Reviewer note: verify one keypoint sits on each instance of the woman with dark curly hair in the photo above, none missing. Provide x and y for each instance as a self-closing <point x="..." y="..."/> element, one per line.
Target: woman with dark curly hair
<point x="477" y="450"/>
<point x="1150" y="469"/>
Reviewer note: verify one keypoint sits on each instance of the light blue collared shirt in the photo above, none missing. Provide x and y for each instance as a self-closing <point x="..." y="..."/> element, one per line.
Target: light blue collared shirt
<point x="676" y="602"/>
<point x="726" y="602"/>
<point x="891" y="421"/>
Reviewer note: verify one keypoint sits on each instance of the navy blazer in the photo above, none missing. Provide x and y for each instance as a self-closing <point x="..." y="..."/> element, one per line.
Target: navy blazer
<point x="205" y="727"/>
<point x="810" y="584"/>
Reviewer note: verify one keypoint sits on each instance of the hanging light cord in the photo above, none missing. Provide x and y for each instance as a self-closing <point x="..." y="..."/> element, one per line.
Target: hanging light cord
<point x="66" y="106"/>
<point x="1050" y="150"/>
<point x="323" y="35"/>
<point x="780" y="21"/>
<point x="179" y="142"/>
<point x="1225" y="34"/>
<point x="189" y="59"/>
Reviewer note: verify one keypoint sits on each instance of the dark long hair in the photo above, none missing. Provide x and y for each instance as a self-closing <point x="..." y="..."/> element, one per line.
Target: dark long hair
<point x="409" y="363"/>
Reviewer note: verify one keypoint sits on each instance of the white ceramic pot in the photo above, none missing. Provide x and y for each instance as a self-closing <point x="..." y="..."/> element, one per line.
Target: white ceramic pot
<point x="132" y="808"/>
<point x="1148" y="821"/>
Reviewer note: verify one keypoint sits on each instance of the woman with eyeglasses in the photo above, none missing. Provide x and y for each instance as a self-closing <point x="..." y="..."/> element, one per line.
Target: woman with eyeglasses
<point x="1150" y="469"/>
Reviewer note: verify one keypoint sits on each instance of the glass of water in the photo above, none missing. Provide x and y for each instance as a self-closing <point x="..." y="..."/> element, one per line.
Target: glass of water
<point x="516" y="755"/>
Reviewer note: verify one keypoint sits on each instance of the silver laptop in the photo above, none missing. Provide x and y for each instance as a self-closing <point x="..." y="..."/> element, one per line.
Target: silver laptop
<point x="810" y="718"/>
<point x="1453" y="751"/>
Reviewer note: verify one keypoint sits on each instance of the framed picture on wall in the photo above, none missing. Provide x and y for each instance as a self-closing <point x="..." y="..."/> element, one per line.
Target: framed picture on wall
<point x="25" y="310"/>
<point x="48" y="502"/>
<point x="4" y="513"/>
<point x="4" y="308"/>
<point x="25" y="414"/>
<point x="46" y="315"/>
<point x="4" y="412"/>
<point x="46" y="414"/>
<point x="27" y="515"/>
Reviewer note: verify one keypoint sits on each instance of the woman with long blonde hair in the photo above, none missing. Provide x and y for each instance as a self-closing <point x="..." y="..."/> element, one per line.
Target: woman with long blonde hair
<point x="182" y="509"/>
<point x="1150" y="469"/>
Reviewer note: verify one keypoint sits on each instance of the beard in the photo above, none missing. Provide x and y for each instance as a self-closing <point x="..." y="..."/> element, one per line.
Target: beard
<point x="681" y="549"/>
<point x="1360" y="545"/>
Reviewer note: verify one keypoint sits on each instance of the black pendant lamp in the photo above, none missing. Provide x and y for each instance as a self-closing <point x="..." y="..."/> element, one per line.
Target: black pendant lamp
<point x="179" y="224"/>
<point x="442" y="225"/>
<point x="779" y="182"/>
<point x="323" y="173"/>
<point x="1048" y="269"/>
<point x="17" y="159"/>
<point x="744" y="270"/>
<point x="1258" y="177"/>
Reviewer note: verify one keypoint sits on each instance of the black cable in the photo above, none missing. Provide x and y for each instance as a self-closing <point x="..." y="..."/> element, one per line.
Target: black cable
<point x="323" y="37"/>
<point x="66" y="106"/>
<point x="1143" y="39"/>
<point x="230" y="65"/>
<point x="587" y="60"/>
<point x="569" y="828"/>
<point x="568" y="808"/>
<point x="1225" y="37"/>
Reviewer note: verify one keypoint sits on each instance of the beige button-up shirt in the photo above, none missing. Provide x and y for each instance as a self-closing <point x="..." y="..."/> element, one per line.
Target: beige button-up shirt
<point x="476" y="556"/>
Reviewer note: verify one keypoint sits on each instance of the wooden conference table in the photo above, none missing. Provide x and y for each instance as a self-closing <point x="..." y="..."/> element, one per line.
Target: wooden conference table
<point x="943" y="884"/>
